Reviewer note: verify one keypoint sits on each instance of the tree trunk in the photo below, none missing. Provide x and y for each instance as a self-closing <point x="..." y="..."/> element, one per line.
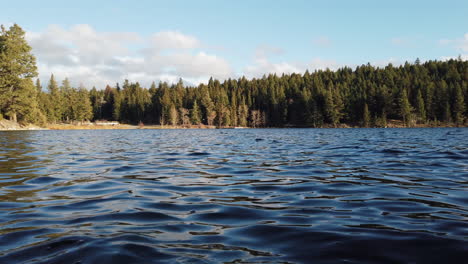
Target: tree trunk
<point x="13" y="117"/>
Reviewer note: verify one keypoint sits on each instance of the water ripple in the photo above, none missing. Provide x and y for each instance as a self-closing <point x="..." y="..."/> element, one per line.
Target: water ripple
<point x="234" y="196"/>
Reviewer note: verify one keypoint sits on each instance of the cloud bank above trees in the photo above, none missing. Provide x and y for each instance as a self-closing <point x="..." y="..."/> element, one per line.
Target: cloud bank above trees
<point x="94" y="58"/>
<point x="98" y="58"/>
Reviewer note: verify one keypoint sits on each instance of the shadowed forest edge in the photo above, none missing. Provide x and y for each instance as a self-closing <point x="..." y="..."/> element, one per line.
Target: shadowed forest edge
<point x="433" y="93"/>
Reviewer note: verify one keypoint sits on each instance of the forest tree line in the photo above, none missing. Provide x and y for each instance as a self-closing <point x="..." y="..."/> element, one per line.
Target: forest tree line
<point x="433" y="92"/>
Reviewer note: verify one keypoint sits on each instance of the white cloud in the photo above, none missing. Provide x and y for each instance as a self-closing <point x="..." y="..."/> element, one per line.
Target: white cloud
<point x="385" y="62"/>
<point x="463" y="57"/>
<point x="267" y="50"/>
<point x="95" y="58"/>
<point x="173" y="40"/>
<point x="7" y="24"/>
<point x="322" y="64"/>
<point x="200" y="64"/>
<point x="262" y="64"/>
<point x="81" y="44"/>
<point x="459" y="44"/>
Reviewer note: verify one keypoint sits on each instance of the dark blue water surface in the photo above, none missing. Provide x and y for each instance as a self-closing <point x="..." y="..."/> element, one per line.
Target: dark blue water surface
<point x="234" y="196"/>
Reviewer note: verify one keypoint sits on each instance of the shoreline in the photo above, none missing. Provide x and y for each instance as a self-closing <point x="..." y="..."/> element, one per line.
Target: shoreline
<point x="6" y="125"/>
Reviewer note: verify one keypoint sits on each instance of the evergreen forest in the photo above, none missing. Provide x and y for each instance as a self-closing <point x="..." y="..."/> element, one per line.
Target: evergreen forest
<point x="429" y="93"/>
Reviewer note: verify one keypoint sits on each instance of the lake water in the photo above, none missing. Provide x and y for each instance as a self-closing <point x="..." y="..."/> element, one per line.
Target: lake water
<point x="234" y="196"/>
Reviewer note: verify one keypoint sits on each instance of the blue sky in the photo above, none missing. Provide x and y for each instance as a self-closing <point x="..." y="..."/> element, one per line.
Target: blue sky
<point x="165" y="40"/>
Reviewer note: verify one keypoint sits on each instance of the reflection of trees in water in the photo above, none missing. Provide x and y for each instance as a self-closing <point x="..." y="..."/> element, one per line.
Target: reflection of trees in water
<point x="17" y="165"/>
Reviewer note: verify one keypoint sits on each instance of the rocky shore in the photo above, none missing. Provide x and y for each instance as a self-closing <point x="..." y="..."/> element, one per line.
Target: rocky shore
<point x="10" y="125"/>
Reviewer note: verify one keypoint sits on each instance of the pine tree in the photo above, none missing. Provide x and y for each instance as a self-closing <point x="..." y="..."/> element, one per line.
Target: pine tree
<point x="226" y="117"/>
<point x="173" y="115"/>
<point x="84" y="110"/>
<point x="383" y="119"/>
<point x="184" y="116"/>
<point x="405" y="107"/>
<point x="210" y="117"/>
<point x="17" y="67"/>
<point x="420" y="106"/>
<point x="38" y="86"/>
<point x="339" y="105"/>
<point x="446" y="111"/>
<point x="330" y="109"/>
<point x="195" y="114"/>
<point x="243" y="111"/>
<point x="108" y="105"/>
<point x="55" y="111"/>
<point x="27" y="106"/>
<point x="233" y="109"/>
<point x="459" y="106"/>
<point x="366" y="116"/>
<point x="117" y="103"/>
<point x="67" y="100"/>
<point x="437" y="90"/>
<point x="43" y="100"/>
<point x="316" y="114"/>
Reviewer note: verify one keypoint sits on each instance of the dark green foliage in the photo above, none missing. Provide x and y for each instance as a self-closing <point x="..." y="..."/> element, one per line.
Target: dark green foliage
<point x="404" y="107"/>
<point x="433" y="92"/>
<point x="420" y="107"/>
<point x="18" y="95"/>
<point x="195" y="114"/>
<point x="366" y="117"/>
<point x="459" y="106"/>
<point x="54" y="101"/>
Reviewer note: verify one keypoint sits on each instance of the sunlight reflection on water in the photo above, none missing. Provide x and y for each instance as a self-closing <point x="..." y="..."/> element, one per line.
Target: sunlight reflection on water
<point x="251" y="195"/>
